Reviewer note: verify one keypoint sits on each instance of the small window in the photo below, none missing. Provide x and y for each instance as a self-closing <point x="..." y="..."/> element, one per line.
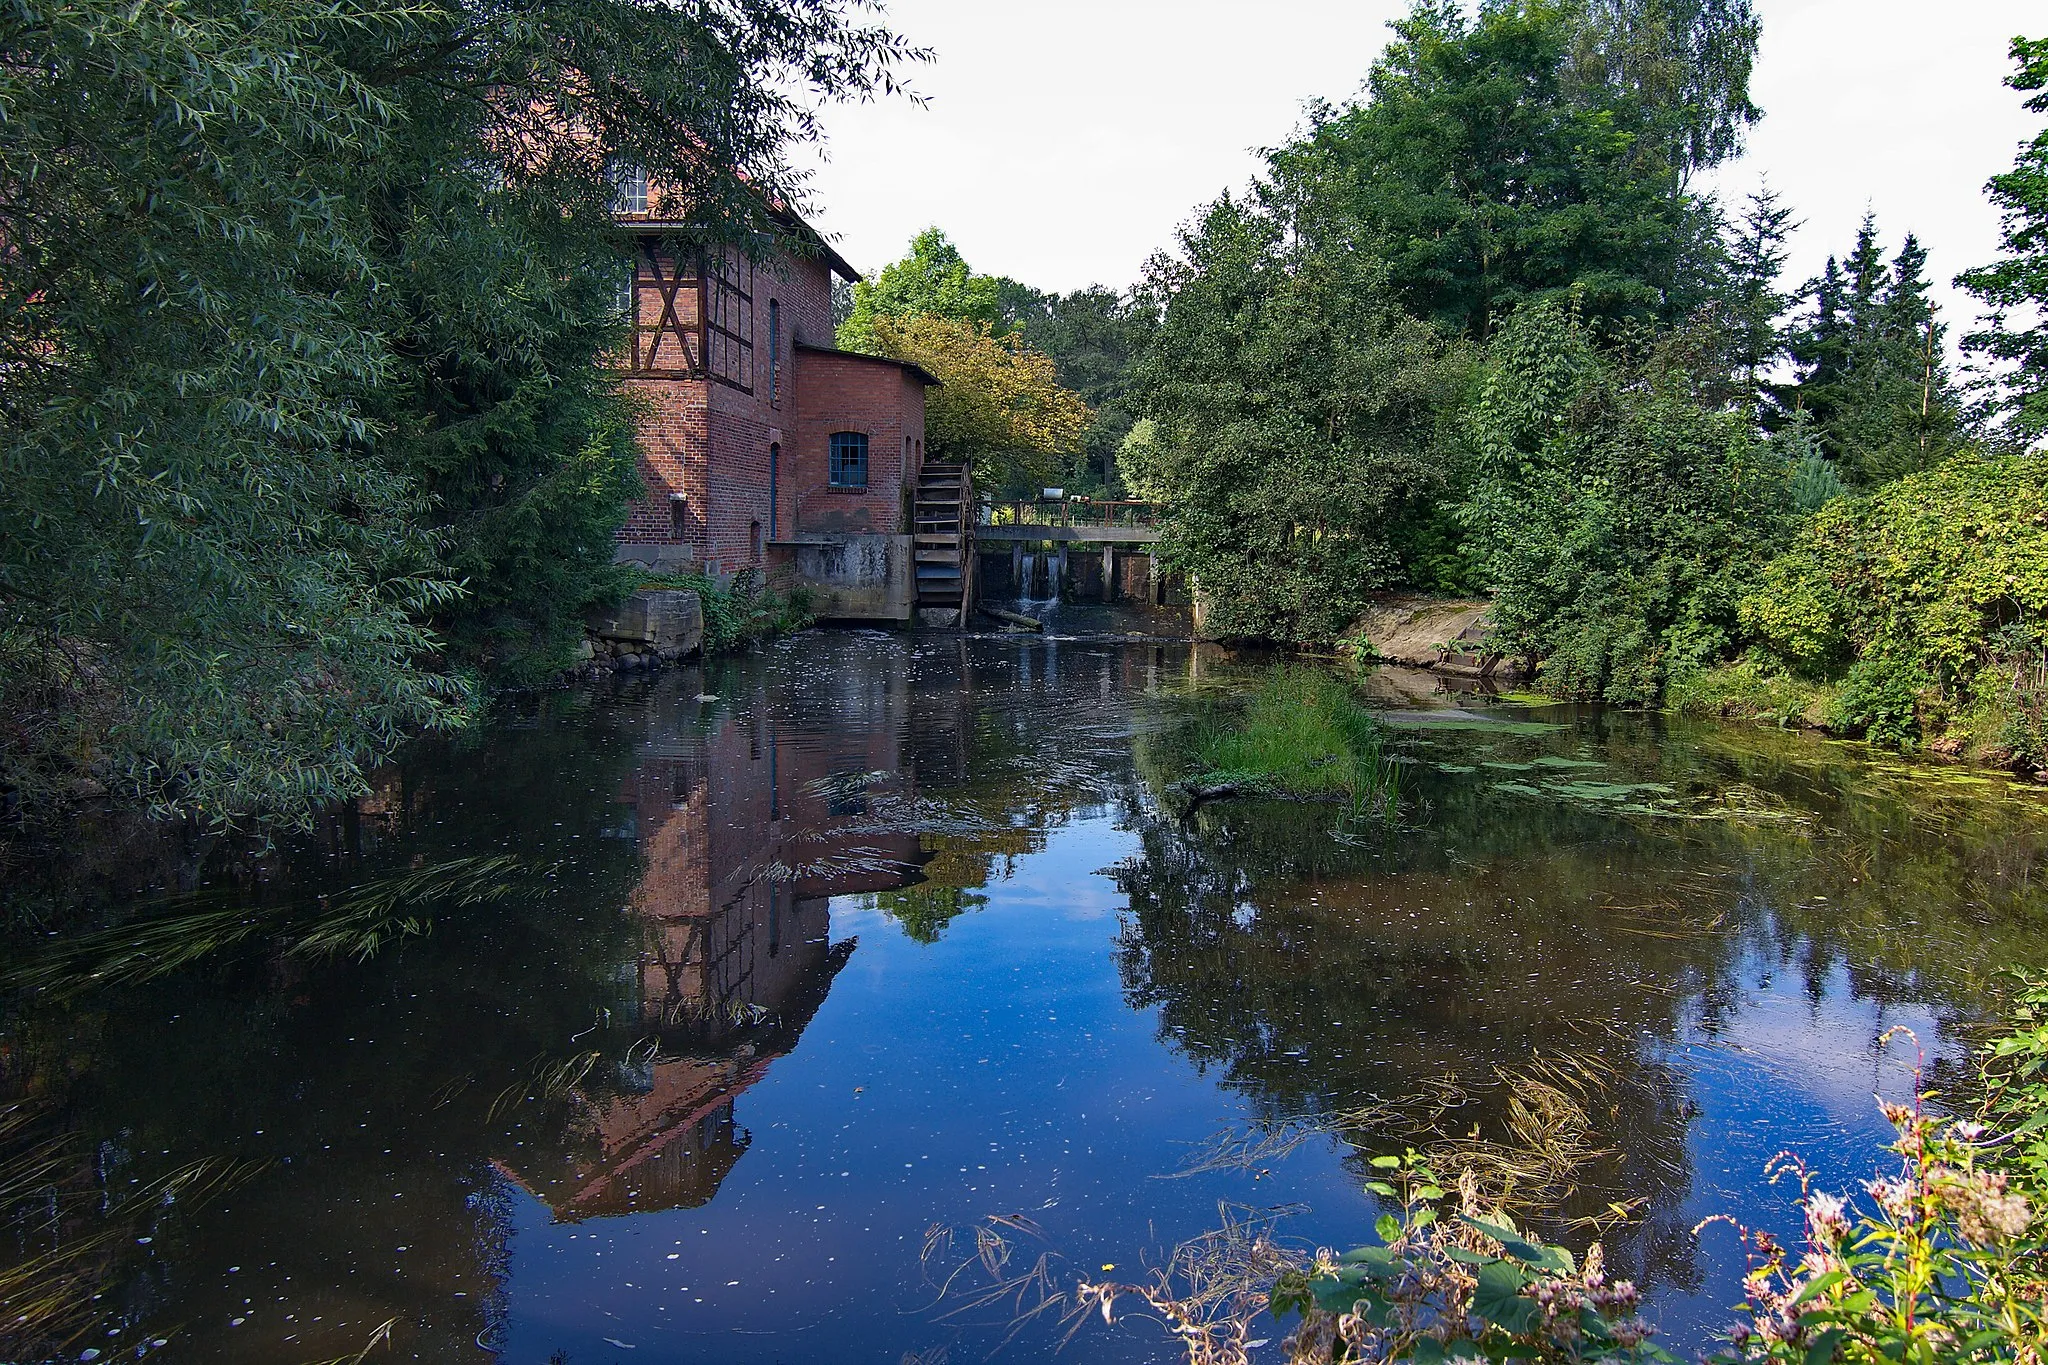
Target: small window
<point x="630" y="189"/>
<point x="629" y="293"/>
<point x="849" y="466"/>
<point x="756" y="533"/>
<point x="774" y="353"/>
<point x="678" y="517"/>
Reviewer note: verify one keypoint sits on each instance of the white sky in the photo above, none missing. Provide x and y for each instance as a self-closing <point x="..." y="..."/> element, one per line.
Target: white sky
<point x="1065" y="139"/>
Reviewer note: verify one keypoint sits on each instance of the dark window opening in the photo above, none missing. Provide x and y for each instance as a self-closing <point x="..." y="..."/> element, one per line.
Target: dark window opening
<point x="849" y="462"/>
<point x="756" y="534"/>
<point x="774" y="460"/>
<point x="774" y="353"/>
<point x="678" y="517"/>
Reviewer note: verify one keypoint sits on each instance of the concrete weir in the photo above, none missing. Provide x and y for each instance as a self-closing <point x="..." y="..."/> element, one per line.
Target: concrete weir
<point x="855" y="577"/>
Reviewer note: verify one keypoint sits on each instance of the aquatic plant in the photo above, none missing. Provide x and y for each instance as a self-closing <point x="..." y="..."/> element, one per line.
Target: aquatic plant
<point x="1303" y="733"/>
<point x="67" y="1224"/>
<point x="183" y="930"/>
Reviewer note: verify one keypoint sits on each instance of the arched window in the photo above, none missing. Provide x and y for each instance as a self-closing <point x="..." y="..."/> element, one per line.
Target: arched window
<point x="849" y="460"/>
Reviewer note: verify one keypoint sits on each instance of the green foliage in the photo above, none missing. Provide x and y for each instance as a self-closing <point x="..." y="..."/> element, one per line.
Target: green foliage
<point x="737" y="612"/>
<point x="1458" y="1283"/>
<point x="998" y="406"/>
<point x="1094" y="336"/>
<point x="208" y="593"/>
<point x="1925" y="599"/>
<point x="1004" y="405"/>
<point x="1949" y="1264"/>
<point x="1815" y="483"/>
<point x="304" y="332"/>
<point x="1296" y="414"/>
<point x="2016" y="286"/>
<point x="1538" y="146"/>
<point x="934" y="280"/>
<point x="1618" y="515"/>
<point x="1873" y="366"/>
<point x="1303" y="732"/>
<point x="926" y="908"/>
<point x="1946" y="1267"/>
<point x="1752" y="301"/>
<point x="1751" y="688"/>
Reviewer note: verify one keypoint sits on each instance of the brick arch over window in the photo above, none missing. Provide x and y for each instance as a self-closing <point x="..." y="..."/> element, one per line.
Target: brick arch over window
<point x="847" y="460"/>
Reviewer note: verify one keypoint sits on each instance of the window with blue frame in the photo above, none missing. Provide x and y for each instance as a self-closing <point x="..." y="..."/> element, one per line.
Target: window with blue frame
<point x="849" y="463"/>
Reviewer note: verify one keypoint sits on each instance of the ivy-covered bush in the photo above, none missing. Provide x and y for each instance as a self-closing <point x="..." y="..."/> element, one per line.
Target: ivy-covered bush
<point x="1927" y="602"/>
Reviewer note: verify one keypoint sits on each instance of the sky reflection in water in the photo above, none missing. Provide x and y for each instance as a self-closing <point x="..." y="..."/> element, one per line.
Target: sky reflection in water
<point x="891" y="937"/>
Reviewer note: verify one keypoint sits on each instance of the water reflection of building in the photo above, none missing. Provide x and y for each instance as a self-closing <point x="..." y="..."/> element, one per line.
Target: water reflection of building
<point x="743" y="838"/>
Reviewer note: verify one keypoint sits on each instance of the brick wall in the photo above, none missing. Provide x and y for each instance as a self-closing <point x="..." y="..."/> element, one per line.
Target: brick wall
<point x="877" y="398"/>
<point x="674" y="437"/>
<point x="713" y="443"/>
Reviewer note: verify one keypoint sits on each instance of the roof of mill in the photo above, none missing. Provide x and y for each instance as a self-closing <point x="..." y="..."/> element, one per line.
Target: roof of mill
<point x="910" y="367"/>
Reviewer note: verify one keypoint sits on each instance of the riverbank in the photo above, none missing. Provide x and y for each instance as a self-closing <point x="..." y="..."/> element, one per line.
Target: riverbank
<point x="1449" y="636"/>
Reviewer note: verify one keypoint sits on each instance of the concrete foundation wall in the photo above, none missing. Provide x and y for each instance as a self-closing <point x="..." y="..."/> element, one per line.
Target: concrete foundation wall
<point x="1134" y="578"/>
<point x="856" y="577"/>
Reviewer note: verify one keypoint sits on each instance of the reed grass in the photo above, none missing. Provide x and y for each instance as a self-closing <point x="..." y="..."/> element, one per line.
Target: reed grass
<point x="1302" y="734"/>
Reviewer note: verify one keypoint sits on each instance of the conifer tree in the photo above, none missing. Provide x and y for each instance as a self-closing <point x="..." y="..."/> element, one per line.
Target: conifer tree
<point x="1755" y="302"/>
<point x="1874" y="375"/>
<point x="2015" y="287"/>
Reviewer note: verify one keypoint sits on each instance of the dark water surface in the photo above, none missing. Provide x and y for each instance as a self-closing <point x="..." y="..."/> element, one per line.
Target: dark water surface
<point x="793" y="987"/>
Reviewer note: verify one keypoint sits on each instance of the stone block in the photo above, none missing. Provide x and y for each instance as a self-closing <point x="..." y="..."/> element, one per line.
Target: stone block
<point x="664" y="621"/>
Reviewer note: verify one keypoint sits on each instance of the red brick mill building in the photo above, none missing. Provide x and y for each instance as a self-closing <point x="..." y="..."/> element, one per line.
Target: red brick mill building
<point x="764" y="448"/>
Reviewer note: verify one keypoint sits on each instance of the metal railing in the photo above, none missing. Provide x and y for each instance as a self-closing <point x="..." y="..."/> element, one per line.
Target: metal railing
<point x="1083" y="512"/>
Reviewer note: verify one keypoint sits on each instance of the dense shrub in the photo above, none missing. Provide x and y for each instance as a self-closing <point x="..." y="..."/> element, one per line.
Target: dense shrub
<point x="1619" y="513"/>
<point x="1925" y="602"/>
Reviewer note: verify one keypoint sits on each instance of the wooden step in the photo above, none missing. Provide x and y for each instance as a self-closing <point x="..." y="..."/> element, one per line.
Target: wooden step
<point x="927" y="540"/>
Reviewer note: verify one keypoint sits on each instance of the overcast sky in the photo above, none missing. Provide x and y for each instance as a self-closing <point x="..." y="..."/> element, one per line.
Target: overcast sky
<point x="1065" y="139"/>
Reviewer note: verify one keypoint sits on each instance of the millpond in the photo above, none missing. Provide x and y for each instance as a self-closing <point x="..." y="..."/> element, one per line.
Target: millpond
<point x="854" y="1000"/>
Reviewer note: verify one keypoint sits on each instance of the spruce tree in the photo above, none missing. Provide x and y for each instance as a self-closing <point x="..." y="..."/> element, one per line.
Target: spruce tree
<point x="1874" y="376"/>
<point x="1755" y="303"/>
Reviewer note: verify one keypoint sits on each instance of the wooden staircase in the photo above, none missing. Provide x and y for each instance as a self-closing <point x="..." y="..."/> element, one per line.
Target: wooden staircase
<point x="943" y="539"/>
